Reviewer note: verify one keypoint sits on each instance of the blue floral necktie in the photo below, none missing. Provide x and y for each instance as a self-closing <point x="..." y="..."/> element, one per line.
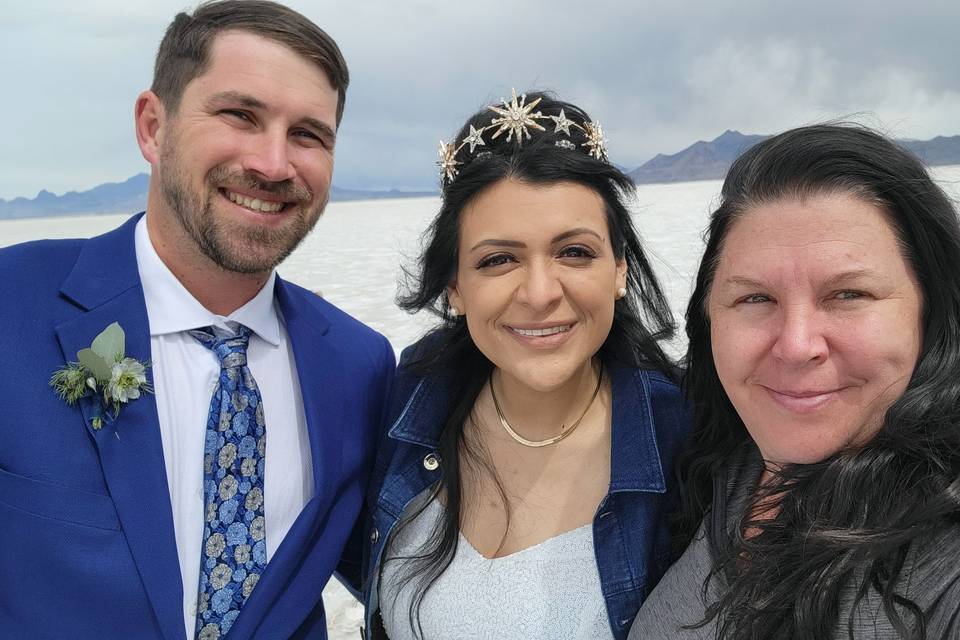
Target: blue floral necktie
<point x="234" y="552"/>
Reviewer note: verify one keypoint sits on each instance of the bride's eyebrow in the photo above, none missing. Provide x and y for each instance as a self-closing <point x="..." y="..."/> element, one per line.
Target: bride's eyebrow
<point x="575" y="232"/>
<point x="494" y="242"/>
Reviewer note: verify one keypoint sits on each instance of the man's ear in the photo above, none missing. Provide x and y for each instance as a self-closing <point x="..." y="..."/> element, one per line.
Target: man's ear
<point x="149" y="117"/>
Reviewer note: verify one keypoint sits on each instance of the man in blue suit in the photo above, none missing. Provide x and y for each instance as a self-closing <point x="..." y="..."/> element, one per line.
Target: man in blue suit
<point x="222" y="502"/>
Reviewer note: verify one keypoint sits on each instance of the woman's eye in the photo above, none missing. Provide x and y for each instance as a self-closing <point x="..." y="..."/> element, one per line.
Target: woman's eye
<point x="848" y="295"/>
<point x="495" y="260"/>
<point x="577" y="251"/>
<point x="754" y="298"/>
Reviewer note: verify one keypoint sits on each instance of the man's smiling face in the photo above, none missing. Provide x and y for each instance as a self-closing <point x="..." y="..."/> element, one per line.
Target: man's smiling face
<point x="247" y="157"/>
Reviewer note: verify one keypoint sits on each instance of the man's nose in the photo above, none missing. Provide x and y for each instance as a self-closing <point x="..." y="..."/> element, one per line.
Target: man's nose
<point x="268" y="156"/>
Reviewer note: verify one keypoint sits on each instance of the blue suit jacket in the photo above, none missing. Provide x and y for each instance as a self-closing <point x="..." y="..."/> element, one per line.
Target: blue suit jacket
<point x="87" y="546"/>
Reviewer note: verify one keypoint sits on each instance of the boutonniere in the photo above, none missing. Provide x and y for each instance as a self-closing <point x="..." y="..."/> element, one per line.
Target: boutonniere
<point x="102" y="370"/>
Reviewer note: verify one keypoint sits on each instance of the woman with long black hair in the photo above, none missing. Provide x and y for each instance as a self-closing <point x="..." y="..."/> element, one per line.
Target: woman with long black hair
<point x="821" y="496"/>
<point x="522" y="488"/>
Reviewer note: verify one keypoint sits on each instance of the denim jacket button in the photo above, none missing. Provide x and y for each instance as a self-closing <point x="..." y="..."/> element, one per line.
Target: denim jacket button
<point x="374" y="536"/>
<point x="430" y="463"/>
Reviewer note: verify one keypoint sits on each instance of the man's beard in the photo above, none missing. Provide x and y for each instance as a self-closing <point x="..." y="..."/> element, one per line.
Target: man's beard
<point x="239" y="248"/>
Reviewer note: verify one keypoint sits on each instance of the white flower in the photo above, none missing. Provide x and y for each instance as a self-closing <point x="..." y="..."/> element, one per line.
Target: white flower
<point x="228" y="487"/>
<point x="215" y="545"/>
<point x="239" y="401"/>
<point x="220" y="576"/>
<point x="254" y="500"/>
<point x="126" y="379"/>
<point x="227" y="455"/>
<point x="257" y="528"/>
<point x="241" y="553"/>
<point x="248" y="467"/>
<point x="250" y="583"/>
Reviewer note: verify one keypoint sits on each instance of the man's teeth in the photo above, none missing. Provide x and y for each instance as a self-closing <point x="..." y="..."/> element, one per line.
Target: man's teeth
<point x="254" y="203"/>
<point x="542" y="332"/>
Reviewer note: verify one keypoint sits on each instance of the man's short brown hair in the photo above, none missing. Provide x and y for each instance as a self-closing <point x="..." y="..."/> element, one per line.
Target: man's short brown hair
<point x="184" y="52"/>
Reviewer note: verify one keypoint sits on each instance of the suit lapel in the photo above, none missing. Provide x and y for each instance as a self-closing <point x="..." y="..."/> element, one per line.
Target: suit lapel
<point x="318" y="367"/>
<point x="105" y="282"/>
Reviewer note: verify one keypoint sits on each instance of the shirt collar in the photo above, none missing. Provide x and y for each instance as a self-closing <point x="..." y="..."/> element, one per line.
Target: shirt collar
<point x="172" y="309"/>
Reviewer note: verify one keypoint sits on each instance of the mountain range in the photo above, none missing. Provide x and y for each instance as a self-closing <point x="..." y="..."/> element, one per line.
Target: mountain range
<point x="131" y="195"/>
<point x="700" y="161"/>
<point x="710" y="160"/>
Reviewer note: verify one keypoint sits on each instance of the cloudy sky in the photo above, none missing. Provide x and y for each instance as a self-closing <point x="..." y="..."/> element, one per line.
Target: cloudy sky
<point x="658" y="75"/>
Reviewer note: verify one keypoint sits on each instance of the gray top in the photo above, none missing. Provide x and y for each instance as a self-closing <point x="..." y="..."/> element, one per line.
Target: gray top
<point x="930" y="577"/>
<point x="550" y="591"/>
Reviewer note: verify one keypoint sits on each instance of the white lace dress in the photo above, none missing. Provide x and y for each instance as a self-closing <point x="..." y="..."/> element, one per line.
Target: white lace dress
<point x="550" y="591"/>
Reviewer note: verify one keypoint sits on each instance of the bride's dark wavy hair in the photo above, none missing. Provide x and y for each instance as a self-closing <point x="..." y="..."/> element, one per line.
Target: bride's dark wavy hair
<point x="641" y="320"/>
<point x="847" y="521"/>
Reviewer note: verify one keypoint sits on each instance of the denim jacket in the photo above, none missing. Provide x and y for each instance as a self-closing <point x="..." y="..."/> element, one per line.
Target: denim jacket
<point x="631" y="537"/>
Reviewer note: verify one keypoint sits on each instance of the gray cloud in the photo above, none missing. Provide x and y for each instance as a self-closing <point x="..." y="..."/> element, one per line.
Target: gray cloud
<point x="658" y="75"/>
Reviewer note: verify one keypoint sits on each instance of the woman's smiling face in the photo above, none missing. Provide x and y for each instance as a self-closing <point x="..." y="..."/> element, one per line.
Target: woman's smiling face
<point x="815" y="320"/>
<point x="537" y="279"/>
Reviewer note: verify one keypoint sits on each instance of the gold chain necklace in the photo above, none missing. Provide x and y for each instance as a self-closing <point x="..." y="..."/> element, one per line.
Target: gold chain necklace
<point x="564" y="431"/>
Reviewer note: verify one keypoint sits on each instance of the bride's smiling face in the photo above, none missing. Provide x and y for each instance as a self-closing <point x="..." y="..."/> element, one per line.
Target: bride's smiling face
<point x="537" y="279"/>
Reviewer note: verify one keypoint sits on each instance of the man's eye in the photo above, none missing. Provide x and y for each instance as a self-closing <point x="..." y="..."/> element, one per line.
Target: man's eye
<point x="309" y="135"/>
<point x="239" y="115"/>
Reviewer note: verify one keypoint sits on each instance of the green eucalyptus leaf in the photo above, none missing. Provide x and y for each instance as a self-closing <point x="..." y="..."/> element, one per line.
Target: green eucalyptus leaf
<point x="109" y="345"/>
<point x="95" y="364"/>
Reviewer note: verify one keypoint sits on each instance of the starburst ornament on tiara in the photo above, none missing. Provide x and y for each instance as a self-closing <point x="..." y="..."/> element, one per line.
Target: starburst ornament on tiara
<point x="516" y="118"/>
<point x="448" y="161"/>
<point x="595" y="140"/>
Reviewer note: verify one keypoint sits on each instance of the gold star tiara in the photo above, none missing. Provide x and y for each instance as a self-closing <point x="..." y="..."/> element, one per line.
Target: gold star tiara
<point x="516" y="118"/>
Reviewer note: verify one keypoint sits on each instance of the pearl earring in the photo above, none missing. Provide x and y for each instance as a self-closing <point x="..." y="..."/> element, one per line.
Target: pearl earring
<point x="621" y="292"/>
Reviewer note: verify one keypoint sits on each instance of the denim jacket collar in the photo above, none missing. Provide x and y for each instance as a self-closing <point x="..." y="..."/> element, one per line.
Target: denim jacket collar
<point x="633" y="439"/>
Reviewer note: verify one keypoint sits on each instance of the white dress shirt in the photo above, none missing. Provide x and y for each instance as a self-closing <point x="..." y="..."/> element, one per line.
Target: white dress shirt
<point x="185" y="373"/>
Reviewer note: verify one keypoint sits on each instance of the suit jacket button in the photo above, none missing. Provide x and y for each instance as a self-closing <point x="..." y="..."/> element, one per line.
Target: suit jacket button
<point x="374" y="536"/>
<point x="430" y="463"/>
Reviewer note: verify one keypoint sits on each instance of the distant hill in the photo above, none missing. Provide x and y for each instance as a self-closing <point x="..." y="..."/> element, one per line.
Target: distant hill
<point x="131" y="196"/>
<point x="699" y="161"/>
<point x="938" y="151"/>
<point x="710" y="160"/>
<point x="111" y="197"/>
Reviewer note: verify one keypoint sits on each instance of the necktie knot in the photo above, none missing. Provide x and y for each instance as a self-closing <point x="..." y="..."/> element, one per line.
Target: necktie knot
<point x="231" y="351"/>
